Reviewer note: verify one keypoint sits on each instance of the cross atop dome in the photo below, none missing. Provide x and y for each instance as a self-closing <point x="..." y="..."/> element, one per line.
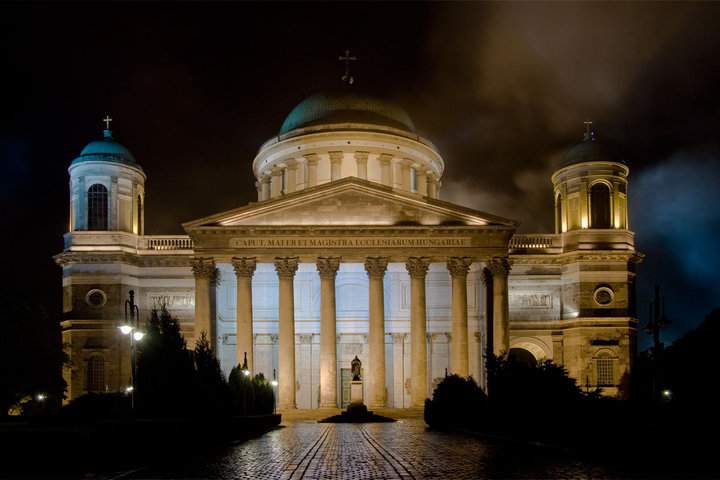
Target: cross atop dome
<point x="347" y="78"/>
<point x="589" y="132"/>
<point x="107" y="133"/>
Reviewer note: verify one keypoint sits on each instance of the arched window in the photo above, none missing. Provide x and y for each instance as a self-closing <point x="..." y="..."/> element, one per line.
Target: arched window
<point x="558" y="214"/>
<point x="605" y="370"/>
<point x="96" y="374"/>
<point x="97" y="202"/>
<point x="139" y="216"/>
<point x="600" y="206"/>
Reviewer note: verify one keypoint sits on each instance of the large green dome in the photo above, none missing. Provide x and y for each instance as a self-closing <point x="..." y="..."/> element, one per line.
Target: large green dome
<point x="329" y="108"/>
<point x="108" y="150"/>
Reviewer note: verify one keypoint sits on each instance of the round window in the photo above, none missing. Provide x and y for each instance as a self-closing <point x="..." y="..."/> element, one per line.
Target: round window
<point x="96" y="298"/>
<point x="603" y="295"/>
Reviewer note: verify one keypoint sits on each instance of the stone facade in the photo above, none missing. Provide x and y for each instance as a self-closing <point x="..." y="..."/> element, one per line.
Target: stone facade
<point x="356" y="264"/>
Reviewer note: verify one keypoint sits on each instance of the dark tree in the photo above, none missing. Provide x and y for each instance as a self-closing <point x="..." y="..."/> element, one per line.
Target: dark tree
<point x="165" y="373"/>
<point x="456" y="402"/>
<point x="211" y="388"/>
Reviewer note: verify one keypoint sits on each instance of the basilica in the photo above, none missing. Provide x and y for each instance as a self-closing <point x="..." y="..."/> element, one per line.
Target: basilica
<point x="350" y="251"/>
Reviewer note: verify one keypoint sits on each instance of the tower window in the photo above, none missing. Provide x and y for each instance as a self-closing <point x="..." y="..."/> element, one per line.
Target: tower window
<point x="96" y="374"/>
<point x="604" y="366"/>
<point x="97" y="201"/>
<point x="600" y="206"/>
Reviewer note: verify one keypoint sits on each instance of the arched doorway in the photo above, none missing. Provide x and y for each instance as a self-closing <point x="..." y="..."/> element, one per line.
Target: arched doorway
<point x="522" y="357"/>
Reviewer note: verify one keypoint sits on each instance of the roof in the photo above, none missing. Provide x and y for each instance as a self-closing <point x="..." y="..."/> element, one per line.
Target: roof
<point x="589" y="150"/>
<point x="346" y="106"/>
<point x="106" y="150"/>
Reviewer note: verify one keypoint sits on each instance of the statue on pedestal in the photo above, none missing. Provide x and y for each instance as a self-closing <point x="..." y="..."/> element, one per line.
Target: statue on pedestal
<point x="355" y="368"/>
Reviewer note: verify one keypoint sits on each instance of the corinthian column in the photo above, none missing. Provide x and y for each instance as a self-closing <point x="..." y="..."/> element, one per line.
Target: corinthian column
<point x="286" y="268"/>
<point x="244" y="270"/>
<point x="417" y="267"/>
<point x="205" y="279"/>
<point x="458" y="268"/>
<point x="500" y="267"/>
<point x="328" y="267"/>
<point x="375" y="267"/>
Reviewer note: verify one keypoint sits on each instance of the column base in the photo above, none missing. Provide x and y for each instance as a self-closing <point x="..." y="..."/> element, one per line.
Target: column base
<point x="329" y="405"/>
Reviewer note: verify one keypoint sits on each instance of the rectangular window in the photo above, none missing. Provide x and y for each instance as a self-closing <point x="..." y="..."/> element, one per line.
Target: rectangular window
<point x="605" y="377"/>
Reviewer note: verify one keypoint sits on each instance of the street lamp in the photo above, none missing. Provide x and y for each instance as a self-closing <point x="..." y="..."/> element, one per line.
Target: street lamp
<point x="131" y="328"/>
<point x="244" y="369"/>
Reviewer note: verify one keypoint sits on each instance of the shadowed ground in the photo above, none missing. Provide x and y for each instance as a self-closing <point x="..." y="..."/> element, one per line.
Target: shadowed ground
<point x="303" y="448"/>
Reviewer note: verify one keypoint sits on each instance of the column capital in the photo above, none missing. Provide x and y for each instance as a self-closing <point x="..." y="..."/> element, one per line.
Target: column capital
<point x="328" y="267"/>
<point x="376" y="266"/>
<point x="499" y="266"/>
<point x="265" y="178"/>
<point x="204" y="267"/>
<point x="361" y="156"/>
<point x="398" y="337"/>
<point x="335" y="156"/>
<point x="385" y="158"/>
<point x="244" y="266"/>
<point x="459" y="266"/>
<point x="311" y="158"/>
<point x="417" y="267"/>
<point x="291" y="163"/>
<point x="286" y="266"/>
<point x="276" y="171"/>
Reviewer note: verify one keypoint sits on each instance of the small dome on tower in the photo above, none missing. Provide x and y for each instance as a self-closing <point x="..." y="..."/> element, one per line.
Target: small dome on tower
<point x="107" y="150"/>
<point x="589" y="150"/>
<point x="346" y="106"/>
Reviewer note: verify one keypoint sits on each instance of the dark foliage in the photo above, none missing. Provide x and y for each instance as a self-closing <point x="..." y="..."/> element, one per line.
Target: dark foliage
<point x="250" y="395"/>
<point x="31" y="356"/>
<point x="98" y="406"/>
<point x="212" y="394"/>
<point x="456" y="402"/>
<point x="165" y="372"/>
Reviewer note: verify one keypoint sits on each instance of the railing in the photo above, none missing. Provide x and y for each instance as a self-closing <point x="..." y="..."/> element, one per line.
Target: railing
<point x="167" y="242"/>
<point x="536" y="241"/>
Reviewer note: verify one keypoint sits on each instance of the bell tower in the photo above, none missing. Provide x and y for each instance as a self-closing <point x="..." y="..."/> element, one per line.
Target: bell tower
<point x="590" y="188"/>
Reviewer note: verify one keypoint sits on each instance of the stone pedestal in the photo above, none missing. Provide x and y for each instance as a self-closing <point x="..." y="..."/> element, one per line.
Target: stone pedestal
<point x="356" y="393"/>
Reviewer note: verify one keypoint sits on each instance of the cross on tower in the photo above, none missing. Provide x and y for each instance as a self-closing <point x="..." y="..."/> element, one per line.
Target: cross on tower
<point x="107" y="121"/>
<point x="349" y="79"/>
<point x="588" y="129"/>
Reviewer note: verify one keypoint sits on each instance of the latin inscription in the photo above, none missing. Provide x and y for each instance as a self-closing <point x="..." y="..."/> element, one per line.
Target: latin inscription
<point x="357" y="242"/>
<point x="534" y="301"/>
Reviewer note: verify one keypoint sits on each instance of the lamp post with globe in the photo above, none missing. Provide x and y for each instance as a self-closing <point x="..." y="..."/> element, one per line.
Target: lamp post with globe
<point x="131" y="328"/>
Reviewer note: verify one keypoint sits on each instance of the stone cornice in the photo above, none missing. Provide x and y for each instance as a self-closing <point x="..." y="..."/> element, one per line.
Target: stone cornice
<point x="69" y="258"/>
<point x="578" y="256"/>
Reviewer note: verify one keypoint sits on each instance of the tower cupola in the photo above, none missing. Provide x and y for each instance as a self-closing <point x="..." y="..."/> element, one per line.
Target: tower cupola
<point x="590" y="187"/>
<point x="107" y="187"/>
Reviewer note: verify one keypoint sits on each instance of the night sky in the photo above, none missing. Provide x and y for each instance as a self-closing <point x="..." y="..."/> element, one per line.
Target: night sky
<point x="501" y="89"/>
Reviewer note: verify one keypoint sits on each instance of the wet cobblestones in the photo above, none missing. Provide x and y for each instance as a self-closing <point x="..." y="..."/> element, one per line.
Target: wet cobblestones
<point x="402" y="450"/>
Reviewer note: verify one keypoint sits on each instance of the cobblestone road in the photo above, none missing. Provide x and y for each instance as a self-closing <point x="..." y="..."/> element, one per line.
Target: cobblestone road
<point x="402" y="450"/>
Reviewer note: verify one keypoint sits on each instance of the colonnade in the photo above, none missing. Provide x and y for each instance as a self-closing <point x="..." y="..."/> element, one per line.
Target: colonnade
<point x="497" y="270"/>
<point x="394" y="172"/>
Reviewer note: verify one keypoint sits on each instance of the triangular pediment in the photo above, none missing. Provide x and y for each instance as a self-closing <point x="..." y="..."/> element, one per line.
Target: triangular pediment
<point x="350" y="201"/>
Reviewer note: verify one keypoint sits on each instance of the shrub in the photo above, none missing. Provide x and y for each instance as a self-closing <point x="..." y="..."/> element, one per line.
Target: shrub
<point x="456" y="402"/>
<point x="250" y="395"/>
